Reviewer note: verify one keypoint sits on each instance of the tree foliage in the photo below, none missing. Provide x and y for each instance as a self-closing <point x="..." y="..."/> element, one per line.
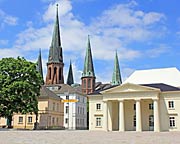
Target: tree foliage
<point x="19" y="87"/>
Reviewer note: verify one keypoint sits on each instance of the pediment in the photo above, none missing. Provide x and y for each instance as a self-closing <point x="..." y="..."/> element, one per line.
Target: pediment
<point x="129" y="87"/>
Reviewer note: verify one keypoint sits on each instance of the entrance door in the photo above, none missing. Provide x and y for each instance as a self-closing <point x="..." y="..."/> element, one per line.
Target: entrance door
<point x="151" y="122"/>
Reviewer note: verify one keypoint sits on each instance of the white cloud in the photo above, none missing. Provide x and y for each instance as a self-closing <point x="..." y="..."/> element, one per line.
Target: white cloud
<point x="7" y="19"/>
<point x="3" y="42"/>
<point x="155" y="52"/>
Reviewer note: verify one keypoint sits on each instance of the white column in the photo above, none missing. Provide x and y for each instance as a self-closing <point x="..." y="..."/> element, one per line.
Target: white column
<point x="138" y="115"/>
<point x="109" y="106"/>
<point x="105" y="115"/>
<point x="156" y="115"/>
<point x="121" y="116"/>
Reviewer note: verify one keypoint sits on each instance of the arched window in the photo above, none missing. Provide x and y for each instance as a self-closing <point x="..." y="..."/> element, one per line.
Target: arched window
<point x="55" y="69"/>
<point x="89" y="83"/>
<point x="60" y="73"/>
<point x="84" y="83"/>
<point x="49" y="73"/>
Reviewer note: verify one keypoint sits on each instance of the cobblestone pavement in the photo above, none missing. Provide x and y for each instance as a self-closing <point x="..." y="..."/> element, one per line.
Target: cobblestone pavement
<point x="87" y="137"/>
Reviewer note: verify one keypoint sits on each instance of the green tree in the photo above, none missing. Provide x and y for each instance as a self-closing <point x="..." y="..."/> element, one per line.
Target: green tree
<point x="19" y="87"/>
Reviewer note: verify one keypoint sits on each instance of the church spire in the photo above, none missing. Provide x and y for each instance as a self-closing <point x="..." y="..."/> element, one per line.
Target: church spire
<point x="55" y="61"/>
<point x="116" y="78"/>
<point x="88" y="76"/>
<point x="88" y="63"/>
<point x="39" y="64"/>
<point x="70" y="79"/>
<point x="55" y="52"/>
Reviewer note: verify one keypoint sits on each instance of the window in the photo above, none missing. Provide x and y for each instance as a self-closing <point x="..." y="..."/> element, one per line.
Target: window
<point x="66" y="120"/>
<point x="89" y="83"/>
<point x="53" y="120"/>
<point x="30" y="119"/>
<point x="53" y="106"/>
<point x="84" y="84"/>
<point x="172" y="121"/>
<point x="67" y="109"/>
<point x="98" y="106"/>
<point x="57" y="107"/>
<point x="151" y="120"/>
<point x="57" y="121"/>
<point x="134" y="106"/>
<point x="171" y="104"/>
<point x="49" y="73"/>
<point x="151" y="106"/>
<point x="20" y="119"/>
<point x="134" y="121"/>
<point x="98" y="121"/>
<point x="67" y="97"/>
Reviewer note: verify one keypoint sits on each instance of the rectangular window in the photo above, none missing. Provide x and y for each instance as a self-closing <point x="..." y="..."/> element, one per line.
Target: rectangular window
<point x="98" y="106"/>
<point x="20" y="119"/>
<point x="67" y="109"/>
<point x="171" y="104"/>
<point x="53" y="106"/>
<point x="67" y="97"/>
<point x="53" y="120"/>
<point x="151" y="106"/>
<point x="134" y="107"/>
<point x="98" y="121"/>
<point x="172" y="121"/>
<point x="66" y="120"/>
<point x="29" y="119"/>
<point x="134" y="121"/>
<point x="89" y="83"/>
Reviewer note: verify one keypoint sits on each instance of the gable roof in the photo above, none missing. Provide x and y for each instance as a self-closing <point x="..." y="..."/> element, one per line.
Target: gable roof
<point x="46" y="93"/>
<point x="169" y="76"/>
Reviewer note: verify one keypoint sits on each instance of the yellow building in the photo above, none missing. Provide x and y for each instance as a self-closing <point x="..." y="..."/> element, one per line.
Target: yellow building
<point x="50" y="115"/>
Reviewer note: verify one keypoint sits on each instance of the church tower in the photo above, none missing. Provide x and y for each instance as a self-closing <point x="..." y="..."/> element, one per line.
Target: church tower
<point x="116" y="78"/>
<point x="39" y="65"/>
<point x="70" y="79"/>
<point x="55" y="60"/>
<point x="88" y="76"/>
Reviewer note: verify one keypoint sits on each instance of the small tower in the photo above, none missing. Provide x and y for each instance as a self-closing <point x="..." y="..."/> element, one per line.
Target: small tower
<point x="116" y="78"/>
<point x="70" y="79"/>
<point x="88" y="76"/>
<point x="39" y="65"/>
<point x="55" y="61"/>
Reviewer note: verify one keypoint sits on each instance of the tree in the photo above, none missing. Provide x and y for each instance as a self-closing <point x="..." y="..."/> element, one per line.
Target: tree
<point x="19" y="87"/>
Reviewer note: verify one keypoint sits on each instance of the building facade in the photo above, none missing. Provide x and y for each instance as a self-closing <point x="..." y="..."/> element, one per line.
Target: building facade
<point x="133" y="107"/>
<point x="50" y="114"/>
<point x="75" y="106"/>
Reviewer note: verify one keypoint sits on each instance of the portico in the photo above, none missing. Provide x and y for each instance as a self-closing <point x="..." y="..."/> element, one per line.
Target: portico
<point x="122" y="119"/>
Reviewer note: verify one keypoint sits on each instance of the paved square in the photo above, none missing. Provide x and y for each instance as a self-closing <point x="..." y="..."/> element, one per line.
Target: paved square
<point x="87" y="137"/>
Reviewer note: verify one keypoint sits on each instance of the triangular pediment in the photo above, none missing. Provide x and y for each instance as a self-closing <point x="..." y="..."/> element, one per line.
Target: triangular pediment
<point x="129" y="87"/>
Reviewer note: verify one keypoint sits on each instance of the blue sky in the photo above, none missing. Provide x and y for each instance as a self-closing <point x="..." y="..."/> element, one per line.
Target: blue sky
<point x="146" y="33"/>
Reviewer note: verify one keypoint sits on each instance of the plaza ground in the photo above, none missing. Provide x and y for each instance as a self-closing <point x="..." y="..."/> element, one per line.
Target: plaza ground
<point x="87" y="137"/>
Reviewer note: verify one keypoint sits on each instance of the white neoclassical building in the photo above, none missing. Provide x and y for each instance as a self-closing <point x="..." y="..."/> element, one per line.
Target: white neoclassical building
<point x="136" y="107"/>
<point x="75" y="113"/>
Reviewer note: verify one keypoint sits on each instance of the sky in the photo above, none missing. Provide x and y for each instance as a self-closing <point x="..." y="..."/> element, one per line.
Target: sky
<point x="145" y="33"/>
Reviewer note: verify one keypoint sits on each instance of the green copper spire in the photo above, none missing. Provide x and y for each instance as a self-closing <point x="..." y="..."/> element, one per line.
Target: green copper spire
<point x="39" y="64"/>
<point x="88" y="64"/>
<point x="55" y="52"/>
<point x="70" y="79"/>
<point x="116" y="79"/>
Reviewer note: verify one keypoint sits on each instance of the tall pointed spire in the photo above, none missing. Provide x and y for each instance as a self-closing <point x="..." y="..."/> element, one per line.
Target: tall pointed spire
<point x="39" y="64"/>
<point x="116" y="78"/>
<point x="88" y="75"/>
<point x="55" y="61"/>
<point x="70" y="79"/>
<point x="55" y="52"/>
<point x="88" y="64"/>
